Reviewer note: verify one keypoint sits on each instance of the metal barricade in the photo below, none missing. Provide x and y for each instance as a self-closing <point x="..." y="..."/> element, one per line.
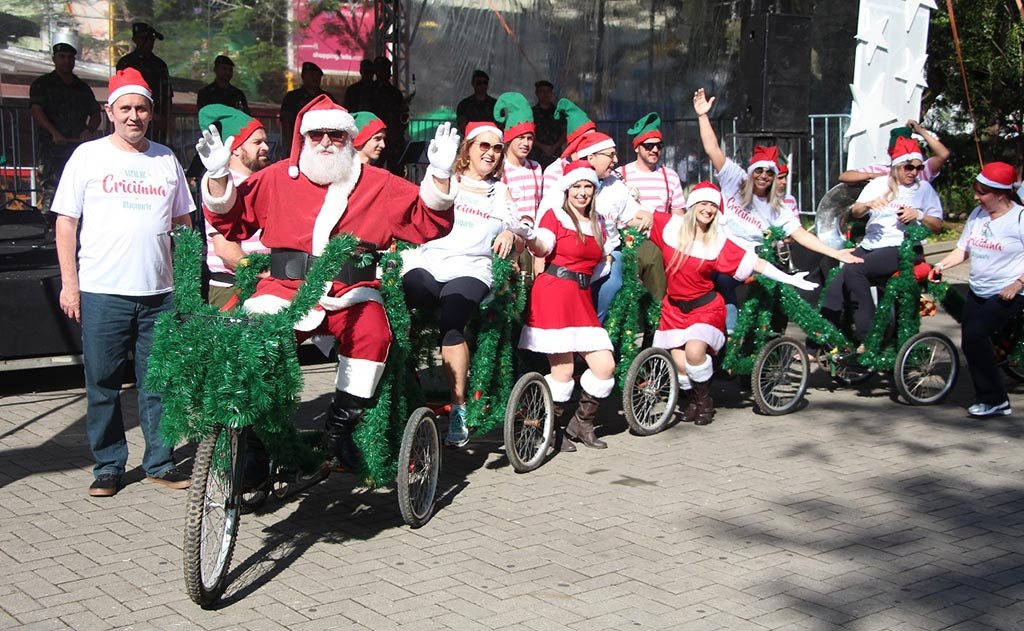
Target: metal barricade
<point x="19" y="183"/>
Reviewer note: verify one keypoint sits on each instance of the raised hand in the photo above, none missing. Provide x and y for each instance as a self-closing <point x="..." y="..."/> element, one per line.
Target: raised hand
<point x="214" y="153"/>
<point x="701" y="104"/>
<point x="442" y="150"/>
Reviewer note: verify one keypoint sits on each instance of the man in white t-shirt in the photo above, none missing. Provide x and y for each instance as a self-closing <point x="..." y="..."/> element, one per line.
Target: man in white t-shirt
<point x="249" y="154"/>
<point x="128" y="193"/>
<point x="657" y="188"/>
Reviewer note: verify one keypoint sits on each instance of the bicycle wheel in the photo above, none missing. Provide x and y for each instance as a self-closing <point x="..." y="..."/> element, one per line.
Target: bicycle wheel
<point x="529" y="422"/>
<point x="419" y="464"/>
<point x="651" y="391"/>
<point x="779" y="378"/>
<point x="211" y="516"/>
<point x="926" y="368"/>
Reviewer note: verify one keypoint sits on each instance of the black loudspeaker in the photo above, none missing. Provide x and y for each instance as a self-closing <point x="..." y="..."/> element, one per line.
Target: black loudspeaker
<point x="775" y="68"/>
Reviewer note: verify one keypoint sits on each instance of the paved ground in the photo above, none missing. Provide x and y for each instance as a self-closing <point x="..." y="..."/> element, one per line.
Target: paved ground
<point x="857" y="512"/>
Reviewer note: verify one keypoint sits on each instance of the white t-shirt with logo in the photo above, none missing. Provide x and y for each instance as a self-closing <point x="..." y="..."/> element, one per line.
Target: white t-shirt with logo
<point x="125" y="202"/>
<point x="746" y="226"/>
<point x="884" y="228"/>
<point x="996" y="248"/>
<point x="482" y="211"/>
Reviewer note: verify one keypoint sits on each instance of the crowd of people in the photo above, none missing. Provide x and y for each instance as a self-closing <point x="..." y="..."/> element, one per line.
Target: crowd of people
<point x="539" y="183"/>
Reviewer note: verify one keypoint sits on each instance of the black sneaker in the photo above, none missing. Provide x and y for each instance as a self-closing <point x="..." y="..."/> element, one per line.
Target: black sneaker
<point x="172" y="479"/>
<point x="105" y="485"/>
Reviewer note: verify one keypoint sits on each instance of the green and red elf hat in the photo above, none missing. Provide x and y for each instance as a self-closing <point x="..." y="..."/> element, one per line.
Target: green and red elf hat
<point x="577" y="124"/>
<point x="895" y="134"/>
<point x="647" y="128"/>
<point x="231" y="122"/>
<point x="368" y="125"/>
<point x="513" y="111"/>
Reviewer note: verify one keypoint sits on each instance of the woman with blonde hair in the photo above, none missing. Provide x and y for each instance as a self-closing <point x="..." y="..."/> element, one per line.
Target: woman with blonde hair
<point x="454" y="272"/>
<point x="890" y="205"/>
<point x="753" y="203"/>
<point x="694" y="249"/>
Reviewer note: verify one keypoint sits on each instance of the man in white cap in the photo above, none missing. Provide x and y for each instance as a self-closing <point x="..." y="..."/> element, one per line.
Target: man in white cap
<point x="128" y="193"/>
<point x="323" y="190"/>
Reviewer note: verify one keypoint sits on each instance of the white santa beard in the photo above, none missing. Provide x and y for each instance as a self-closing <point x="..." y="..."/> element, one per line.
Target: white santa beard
<point x="328" y="165"/>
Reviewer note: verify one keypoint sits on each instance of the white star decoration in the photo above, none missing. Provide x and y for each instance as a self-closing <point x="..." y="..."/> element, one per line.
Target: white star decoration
<point x="912" y="73"/>
<point x="869" y="114"/>
<point x="874" y="38"/>
<point x="910" y="10"/>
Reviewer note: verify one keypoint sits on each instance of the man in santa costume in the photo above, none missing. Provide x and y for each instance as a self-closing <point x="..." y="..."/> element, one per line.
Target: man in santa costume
<point x="321" y="191"/>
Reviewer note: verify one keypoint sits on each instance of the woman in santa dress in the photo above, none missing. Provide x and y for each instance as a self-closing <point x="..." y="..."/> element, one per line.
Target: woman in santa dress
<point x="454" y="272"/>
<point x="752" y="202"/>
<point x="561" y="319"/>
<point x="694" y="249"/>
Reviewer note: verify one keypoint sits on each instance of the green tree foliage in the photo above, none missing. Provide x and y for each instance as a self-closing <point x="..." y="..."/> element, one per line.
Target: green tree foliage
<point x="992" y="42"/>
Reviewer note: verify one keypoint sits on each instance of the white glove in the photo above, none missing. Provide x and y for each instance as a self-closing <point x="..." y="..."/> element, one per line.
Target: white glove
<point x="797" y="280"/>
<point x="442" y="151"/>
<point x="525" y="229"/>
<point x="214" y="153"/>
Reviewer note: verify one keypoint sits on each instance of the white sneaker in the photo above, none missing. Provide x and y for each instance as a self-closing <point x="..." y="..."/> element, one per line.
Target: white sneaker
<point x="984" y="409"/>
<point x="458" y="433"/>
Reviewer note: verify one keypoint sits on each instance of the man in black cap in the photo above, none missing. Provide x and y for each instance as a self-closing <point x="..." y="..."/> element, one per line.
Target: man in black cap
<point x="358" y="95"/>
<point x="65" y="110"/>
<point x="154" y="71"/>
<point x="221" y="91"/>
<point x="297" y="99"/>
<point x="478" y="106"/>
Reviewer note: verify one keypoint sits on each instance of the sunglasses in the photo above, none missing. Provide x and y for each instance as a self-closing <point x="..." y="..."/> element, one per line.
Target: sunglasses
<point x="762" y="171"/>
<point x="335" y="135"/>
<point x="910" y="168"/>
<point x="611" y="155"/>
<point x="651" y="146"/>
<point x="486" y="146"/>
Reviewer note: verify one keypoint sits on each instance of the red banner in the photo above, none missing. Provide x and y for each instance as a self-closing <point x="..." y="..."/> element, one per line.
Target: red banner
<point x="334" y="40"/>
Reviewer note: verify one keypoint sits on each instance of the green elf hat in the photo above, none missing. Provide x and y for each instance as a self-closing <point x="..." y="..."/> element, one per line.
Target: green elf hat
<point x="230" y="121"/>
<point x="895" y="134"/>
<point x="577" y="123"/>
<point x="368" y="125"/>
<point x="513" y="111"/>
<point x="647" y="128"/>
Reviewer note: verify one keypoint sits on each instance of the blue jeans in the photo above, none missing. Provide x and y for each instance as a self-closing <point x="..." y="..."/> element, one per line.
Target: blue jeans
<point x="112" y="325"/>
<point x="605" y="289"/>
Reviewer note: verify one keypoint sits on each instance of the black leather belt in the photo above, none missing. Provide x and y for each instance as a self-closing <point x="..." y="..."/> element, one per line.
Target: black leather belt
<point x="581" y="279"/>
<point x="288" y="264"/>
<point x="687" y="306"/>
<point x="223" y="277"/>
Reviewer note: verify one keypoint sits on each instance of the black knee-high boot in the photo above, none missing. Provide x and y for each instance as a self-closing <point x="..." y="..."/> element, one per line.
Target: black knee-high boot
<point x="343" y="416"/>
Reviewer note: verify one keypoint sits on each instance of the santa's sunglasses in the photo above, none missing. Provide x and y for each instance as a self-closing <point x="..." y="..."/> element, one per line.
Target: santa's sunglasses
<point x="335" y="135"/>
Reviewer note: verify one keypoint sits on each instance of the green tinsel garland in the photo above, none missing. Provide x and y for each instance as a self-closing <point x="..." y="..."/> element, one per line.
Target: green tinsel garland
<point x="623" y="319"/>
<point x="234" y="369"/>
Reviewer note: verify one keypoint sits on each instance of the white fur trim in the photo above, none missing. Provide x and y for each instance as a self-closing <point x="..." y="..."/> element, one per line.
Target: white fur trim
<point x="268" y="303"/>
<point x="677" y="338"/>
<point x="433" y="197"/>
<point x="358" y="377"/>
<point x="746" y="266"/>
<point x="907" y="157"/>
<point x="762" y="164"/>
<point x="333" y="208"/>
<point x="684" y="381"/>
<point x="578" y="339"/>
<point x="566" y="221"/>
<point x="333" y="118"/>
<point x="577" y="175"/>
<point x="351" y="297"/>
<point x="704" y="195"/>
<point x="561" y="391"/>
<point x="483" y="129"/>
<point x="597" y="388"/>
<point x="545" y="237"/>
<point x="993" y="184"/>
<point x="222" y="204"/>
<point x="607" y="143"/>
<point x="702" y="372"/>
<point x="293" y="172"/>
<point x="129" y="89"/>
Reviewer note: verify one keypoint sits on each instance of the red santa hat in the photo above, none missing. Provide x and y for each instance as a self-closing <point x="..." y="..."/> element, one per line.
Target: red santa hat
<point x="705" y="192"/>
<point x="764" y="158"/>
<point x="593" y="142"/>
<point x="998" y="175"/>
<point x="577" y="171"/>
<point x="127" y="81"/>
<point x="905" y="150"/>
<point x="476" y="128"/>
<point x="320" y="113"/>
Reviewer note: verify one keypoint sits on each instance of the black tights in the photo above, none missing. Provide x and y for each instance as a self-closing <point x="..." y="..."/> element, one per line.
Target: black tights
<point x="458" y="299"/>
